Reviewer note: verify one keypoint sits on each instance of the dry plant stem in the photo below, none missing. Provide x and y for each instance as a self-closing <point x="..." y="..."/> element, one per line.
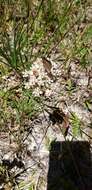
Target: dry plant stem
<point x="62" y="37"/>
<point x="44" y="135"/>
<point x="65" y="14"/>
<point x="36" y="187"/>
<point x="86" y="134"/>
<point x="18" y="174"/>
<point x="42" y="106"/>
<point x="27" y="137"/>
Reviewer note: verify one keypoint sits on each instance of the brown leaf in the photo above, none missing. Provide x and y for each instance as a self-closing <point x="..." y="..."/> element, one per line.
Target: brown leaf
<point x="47" y="65"/>
<point x="8" y="186"/>
<point x="61" y="119"/>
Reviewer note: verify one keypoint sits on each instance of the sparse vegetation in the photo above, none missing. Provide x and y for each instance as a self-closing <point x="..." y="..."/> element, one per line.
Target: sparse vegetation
<point x="32" y="30"/>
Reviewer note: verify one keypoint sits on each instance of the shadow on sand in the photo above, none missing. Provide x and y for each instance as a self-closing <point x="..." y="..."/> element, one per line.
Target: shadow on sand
<point x="70" y="166"/>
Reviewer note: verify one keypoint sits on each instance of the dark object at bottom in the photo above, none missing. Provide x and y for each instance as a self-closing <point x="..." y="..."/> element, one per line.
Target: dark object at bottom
<point x="70" y="166"/>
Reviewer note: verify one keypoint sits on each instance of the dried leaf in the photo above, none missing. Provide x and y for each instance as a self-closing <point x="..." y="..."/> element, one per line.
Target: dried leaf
<point x="61" y="119"/>
<point x="47" y="65"/>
